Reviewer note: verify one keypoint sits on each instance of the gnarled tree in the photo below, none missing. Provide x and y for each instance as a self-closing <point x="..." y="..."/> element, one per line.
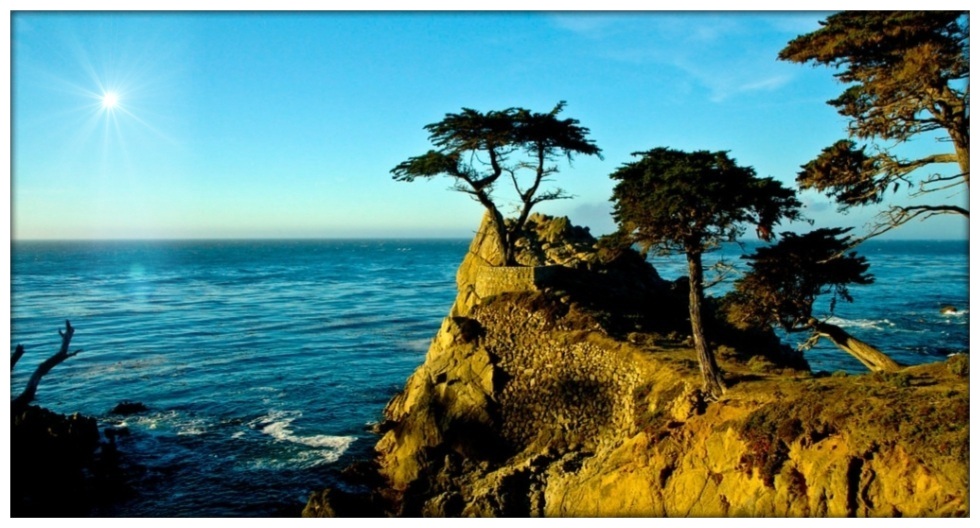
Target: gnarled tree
<point x="476" y="149"/>
<point x="680" y="202"/>
<point x="908" y="76"/>
<point x="785" y="280"/>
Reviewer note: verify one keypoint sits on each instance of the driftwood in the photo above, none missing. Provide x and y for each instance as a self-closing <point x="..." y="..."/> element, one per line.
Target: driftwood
<point x="869" y="356"/>
<point x="27" y="396"/>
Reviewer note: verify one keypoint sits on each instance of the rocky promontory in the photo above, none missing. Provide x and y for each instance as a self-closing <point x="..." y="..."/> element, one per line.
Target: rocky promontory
<point x="568" y="387"/>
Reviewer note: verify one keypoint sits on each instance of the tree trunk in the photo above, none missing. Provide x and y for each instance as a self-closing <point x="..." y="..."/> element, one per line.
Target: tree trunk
<point x="868" y="355"/>
<point x="506" y="240"/>
<point x="500" y="228"/>
<point x="711" y="374"/>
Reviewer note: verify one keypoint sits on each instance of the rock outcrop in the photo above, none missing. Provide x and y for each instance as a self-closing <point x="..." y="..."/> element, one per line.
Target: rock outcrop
<point x="567" y="394"/>
<point x="52" y="463"/>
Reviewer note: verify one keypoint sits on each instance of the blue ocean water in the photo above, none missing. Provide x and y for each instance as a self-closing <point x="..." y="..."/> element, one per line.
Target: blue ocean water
<point x="263" y="363"/>
<point x="900" y="313"/>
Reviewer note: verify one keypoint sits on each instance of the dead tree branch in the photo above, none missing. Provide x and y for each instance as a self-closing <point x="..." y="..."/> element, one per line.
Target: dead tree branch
<point x="869" y="356"/>
<point x="30" y="390"/>
<point x="16" y="356"/>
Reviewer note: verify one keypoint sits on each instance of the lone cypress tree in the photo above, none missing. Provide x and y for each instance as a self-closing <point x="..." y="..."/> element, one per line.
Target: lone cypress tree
<point x="477" y="148"/>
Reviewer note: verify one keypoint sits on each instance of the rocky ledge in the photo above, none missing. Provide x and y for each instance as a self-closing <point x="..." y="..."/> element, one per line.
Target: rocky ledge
<point x="578" y="395"/>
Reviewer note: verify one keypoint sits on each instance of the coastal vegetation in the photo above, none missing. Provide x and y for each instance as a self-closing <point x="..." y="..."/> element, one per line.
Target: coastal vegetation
<point x="598" y="388"/>
<point x="786" y="279"/>
<point x="907" y="76"/>
<point x="534" y="403"/>
<point x="477" y="149"/>
<point x="690" y="202"/>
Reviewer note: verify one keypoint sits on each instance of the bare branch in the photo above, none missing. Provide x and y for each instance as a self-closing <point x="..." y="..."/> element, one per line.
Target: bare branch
<point x="897" y="216"/>
<point x="27" y="396"/>
<point x="957" y="179"/>
<point x="18" y="352"/>
<point x="722" y="272"/>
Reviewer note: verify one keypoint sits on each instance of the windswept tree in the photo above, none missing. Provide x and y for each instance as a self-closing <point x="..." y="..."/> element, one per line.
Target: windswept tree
<point x="477" y="149"/>
<point x="786" y="279"/>
<point x="672" y="201"/>
<point x="907" y="76"/>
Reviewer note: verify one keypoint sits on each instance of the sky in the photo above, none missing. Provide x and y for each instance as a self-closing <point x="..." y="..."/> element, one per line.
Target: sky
<point x="286" y="125"/>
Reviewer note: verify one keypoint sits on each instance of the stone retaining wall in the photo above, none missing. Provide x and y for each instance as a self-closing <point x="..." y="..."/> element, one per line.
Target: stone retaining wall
<point x="494" y="280"/>
<point x="560" y="389"/>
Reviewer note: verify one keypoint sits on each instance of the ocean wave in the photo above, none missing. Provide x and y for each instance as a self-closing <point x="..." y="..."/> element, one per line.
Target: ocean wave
<point x="868" y="324"/>
<point x="300" y="460"/>
<point x="169" y="421"/>
<point x="418" y="345"/>
<point x="277" y="424"/>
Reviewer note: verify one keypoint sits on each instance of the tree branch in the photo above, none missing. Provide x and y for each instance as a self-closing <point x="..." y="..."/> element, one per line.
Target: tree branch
<point x="16" y="356"/>
<point x="27" y="396"/>
<point x="897" y="216"/>
<point x="872" y="358"/>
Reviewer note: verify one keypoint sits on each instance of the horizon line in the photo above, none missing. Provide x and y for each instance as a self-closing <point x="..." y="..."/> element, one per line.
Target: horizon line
<point x="382" y="238"/>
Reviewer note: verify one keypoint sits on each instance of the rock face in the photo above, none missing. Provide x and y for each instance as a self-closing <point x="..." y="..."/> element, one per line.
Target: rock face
<point x="52" y="458"/>
<point x="542" y="400"/>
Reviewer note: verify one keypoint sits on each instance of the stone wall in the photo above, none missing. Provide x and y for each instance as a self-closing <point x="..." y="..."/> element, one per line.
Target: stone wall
<point x="494" y="280"/>
<point x="557" y="389"/>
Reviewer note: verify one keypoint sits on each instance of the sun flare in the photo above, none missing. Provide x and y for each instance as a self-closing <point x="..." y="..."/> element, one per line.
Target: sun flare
<point x="110" y="100"/>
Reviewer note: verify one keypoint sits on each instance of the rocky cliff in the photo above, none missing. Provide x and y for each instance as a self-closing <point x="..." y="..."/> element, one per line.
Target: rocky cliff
<point x="574" y="393"/>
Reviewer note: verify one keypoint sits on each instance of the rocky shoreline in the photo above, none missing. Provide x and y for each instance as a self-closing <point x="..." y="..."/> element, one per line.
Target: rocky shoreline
<point x="577" y="395"/>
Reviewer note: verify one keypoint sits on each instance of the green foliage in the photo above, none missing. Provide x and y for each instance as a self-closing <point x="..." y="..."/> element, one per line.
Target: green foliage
<point x="679" y="201"/>
<point x="897" y="65"/>
<point x="907" y="73"/>
<point x="846" y="173"/>
<point x="768" y="433"/>
<point x="692" y="201"/>
<point x="477" y="148"/>
<point x="785" y="279"/>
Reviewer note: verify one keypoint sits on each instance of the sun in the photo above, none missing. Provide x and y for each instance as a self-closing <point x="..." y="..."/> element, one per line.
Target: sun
<point x="110" y="100"/>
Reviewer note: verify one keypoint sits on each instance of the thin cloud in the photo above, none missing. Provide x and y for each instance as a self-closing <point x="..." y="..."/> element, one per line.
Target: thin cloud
<point x="726" y="54"/>
<point x="589" y="25"/>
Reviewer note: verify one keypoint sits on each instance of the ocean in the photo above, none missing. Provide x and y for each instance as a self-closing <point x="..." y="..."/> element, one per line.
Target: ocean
<point x="265" y="363"/>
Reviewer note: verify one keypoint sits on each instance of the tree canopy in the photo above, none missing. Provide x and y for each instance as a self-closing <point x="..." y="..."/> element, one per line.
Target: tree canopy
<point x="785" y="279"/>
<point x="676" y="201"/>
<point x="907" y="75"/>
<point x="690" y="202"/>
<point x="477" y="148"/>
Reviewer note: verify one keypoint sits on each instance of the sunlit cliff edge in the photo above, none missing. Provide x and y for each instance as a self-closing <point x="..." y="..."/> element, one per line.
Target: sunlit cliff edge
<point x="567" y="388"/>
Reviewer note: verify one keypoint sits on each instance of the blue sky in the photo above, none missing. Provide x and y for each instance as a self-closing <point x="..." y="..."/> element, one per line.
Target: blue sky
<point x="270" y="125"/>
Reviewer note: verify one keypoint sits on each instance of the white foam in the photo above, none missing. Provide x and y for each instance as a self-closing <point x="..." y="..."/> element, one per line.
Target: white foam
<point x="869" y="324"/>
<point x="418" y="345"/>
<point x="277" y="425"/>
<point x="302" y="460"/>
<point x="177" y="422"/>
